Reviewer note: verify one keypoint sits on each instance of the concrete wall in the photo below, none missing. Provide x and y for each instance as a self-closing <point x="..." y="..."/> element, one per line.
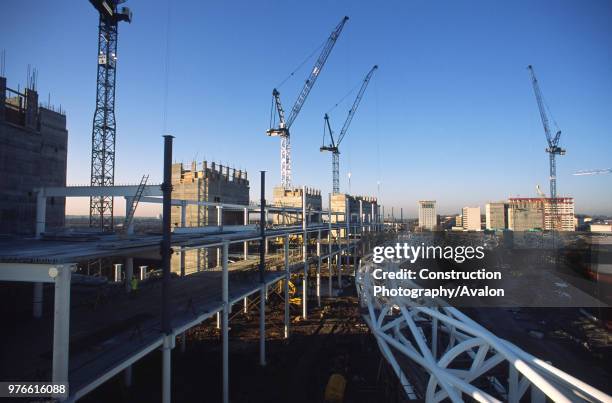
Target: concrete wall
<point x="293" y="198"/>
<point x="31" y="158"/>
<point x="209" y="183"/>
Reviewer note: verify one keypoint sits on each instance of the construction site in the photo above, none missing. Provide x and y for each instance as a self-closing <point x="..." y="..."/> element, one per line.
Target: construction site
<point x="231" y="296"/>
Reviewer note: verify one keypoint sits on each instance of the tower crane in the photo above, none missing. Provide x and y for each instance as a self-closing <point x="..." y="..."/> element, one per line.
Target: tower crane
<point x="553" y="148"/>
<point x="334" y="144"/>
<point x="282" y="130"/>
<point x="104" y="126"/>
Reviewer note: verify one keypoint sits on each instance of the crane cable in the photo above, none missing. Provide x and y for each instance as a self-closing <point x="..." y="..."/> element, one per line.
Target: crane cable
<point x="302" y="64"/>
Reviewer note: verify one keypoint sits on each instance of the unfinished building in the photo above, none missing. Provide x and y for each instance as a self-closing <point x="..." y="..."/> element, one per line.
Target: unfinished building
<point x="212" y="183"/>
<point x="525" y="214"/>
<point x="363" y="209"/>
<point x="292" y="199"/>
<point x="33" y="150"/>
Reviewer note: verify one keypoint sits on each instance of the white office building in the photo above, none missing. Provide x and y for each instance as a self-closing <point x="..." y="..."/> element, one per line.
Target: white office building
<point x="428" y="218"/>
<point x="471" y="218"/>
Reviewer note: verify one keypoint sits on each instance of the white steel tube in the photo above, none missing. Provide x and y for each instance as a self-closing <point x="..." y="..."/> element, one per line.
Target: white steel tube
<point x="61" y="322"/>
<point x="226" y="308"/>
<point x="286" y="286"/>
<point x="319" y="268"/>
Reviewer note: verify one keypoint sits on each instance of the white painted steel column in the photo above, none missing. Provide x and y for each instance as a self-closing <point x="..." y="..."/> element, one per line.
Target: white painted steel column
<point x="129" y="273"/>
<point x="286" y="286"/>
<point x="220" y="217"/>
<point x="246" y="304"/>
<point x="246" y="243"/>
<point x="226" y="308"/>
<point x="118" y="272"/>
<point x="37" y="300"/>
<point x="348" y="237"/>
<point x="305" y="256"/>
<point x="329" y="248"/>
<point x="143" y="273"/>
<point x="61" y="322"/>
<point x="167" y="368"/>
<point x="41" y="213"/>
<point x="319" y="268"/>
<point x="361" y="216"/>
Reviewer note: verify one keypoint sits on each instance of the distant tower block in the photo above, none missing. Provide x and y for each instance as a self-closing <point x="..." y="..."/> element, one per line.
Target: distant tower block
<point x="104" y="127"/>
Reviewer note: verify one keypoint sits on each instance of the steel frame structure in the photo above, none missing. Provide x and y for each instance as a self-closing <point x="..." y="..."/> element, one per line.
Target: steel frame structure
<point x="38" y="273"/>
<point x="436" y="337"/>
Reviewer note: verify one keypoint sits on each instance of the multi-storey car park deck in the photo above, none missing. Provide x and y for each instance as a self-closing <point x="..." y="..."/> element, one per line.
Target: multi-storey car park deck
<point x="93" y="333"/>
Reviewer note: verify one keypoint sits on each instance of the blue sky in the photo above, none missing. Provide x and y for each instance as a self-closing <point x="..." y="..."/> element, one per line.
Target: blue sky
<point x="450" y="114"/>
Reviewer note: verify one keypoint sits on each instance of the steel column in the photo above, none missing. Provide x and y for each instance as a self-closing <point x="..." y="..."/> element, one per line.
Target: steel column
<point x="286" y="286"/>
<point x="61" y="322"/>
<point x="226" y="308"/>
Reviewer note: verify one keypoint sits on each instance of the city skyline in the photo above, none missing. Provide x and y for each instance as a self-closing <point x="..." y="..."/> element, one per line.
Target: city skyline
<point x="450" y="115"/>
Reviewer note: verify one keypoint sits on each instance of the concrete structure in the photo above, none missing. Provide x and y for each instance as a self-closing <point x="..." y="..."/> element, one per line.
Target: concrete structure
<point x="292" y="198"/>
<point x="470" y="218"/>
<point x="428" y="218"/>
<point x="565" y="214"/>
<point x="496" y="216"/>
<point x="525" y="214"/>
<point x="212" y="183"/>
<point x="362" y="209"/>
<point x="33" y="149"/>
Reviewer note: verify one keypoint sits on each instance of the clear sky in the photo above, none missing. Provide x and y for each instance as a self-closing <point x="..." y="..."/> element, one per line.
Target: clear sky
<point x="450" y="114"/>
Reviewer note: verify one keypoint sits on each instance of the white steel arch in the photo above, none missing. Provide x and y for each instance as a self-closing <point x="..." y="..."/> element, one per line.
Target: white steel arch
<point x="460" y="358"/>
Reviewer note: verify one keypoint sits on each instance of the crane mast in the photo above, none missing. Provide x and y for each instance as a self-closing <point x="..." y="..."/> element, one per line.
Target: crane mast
<point x="284" y="125"/>
<point x="334" y="144"/>
<point x="104" y="125"/>
<point x="553" y="148"/>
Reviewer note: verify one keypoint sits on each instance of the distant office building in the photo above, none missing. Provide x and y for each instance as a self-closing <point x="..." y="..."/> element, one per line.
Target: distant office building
<point x="601" y="227"/>
<point x="496" y="216"/>
<point x="525" y="214"/>
<point x="33" y="150"/>
<point x="470" y="218"/>
<point x="428" y="218"/>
